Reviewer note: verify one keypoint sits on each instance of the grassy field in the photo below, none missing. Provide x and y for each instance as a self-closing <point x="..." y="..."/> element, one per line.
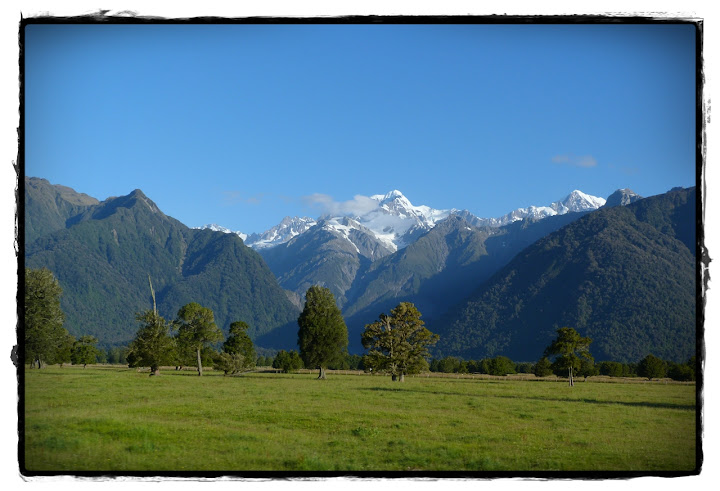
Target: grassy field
<point x="116" y="419"/>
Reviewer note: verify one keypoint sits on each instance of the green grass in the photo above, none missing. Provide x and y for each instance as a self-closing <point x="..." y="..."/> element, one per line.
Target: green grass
<point x="115" y="419"/>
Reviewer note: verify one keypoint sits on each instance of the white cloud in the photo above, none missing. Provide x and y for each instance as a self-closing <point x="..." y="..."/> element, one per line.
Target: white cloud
<point x="358" y="206"/>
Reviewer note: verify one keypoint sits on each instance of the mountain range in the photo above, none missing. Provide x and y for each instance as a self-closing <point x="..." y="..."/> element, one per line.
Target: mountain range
<point x="104" y="254"/>
<point x="625" y="276"/>
<point x="607" y="267"/>
<point x="396" y="222"/>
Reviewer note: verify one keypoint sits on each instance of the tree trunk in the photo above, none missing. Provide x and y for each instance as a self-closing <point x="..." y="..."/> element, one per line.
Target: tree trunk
<point x="570" y="376"/>
<point x="199" y="363"/>
<point x="394" y="377"/>
<point x="154" y="371"/>
<point x="322" y="374"/>
<point x="402" y="377"/>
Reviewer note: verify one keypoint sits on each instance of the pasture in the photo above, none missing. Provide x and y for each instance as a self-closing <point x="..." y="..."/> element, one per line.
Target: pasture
<point x="116" y="419"/>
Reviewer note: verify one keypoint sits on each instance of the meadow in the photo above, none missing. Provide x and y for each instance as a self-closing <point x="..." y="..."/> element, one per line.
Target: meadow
<point x="115" y="419"/>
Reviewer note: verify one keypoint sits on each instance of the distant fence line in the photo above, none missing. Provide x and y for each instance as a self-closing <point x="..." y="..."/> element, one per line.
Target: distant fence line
<point x="469" y="376"/>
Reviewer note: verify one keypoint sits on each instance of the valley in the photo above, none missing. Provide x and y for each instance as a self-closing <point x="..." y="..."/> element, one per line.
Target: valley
<point x="489" y="287"/>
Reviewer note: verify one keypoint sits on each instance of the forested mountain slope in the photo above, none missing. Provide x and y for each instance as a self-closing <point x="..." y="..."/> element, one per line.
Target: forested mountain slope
<point x="105" y="255"/>
<point x="624" y="276"/>
<point x="51" y="206"/>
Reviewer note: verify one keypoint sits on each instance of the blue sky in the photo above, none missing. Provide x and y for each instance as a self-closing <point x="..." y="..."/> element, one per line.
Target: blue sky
<point x="239" y="125"/>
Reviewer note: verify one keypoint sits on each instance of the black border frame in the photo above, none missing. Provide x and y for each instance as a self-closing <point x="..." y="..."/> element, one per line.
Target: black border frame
<point x="701" y="252"/>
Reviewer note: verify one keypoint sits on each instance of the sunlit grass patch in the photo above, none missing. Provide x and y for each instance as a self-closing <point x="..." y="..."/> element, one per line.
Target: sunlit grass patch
<point x="115" y="420"/>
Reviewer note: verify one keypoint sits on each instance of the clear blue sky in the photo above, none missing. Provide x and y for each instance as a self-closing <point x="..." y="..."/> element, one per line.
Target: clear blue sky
<point x="237" y="125"/>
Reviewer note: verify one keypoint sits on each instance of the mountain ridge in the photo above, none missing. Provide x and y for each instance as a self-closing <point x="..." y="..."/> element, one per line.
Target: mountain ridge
<point x="105" y="254"/>
<point x="623" y="275"/>
<point x="398" y="223"/>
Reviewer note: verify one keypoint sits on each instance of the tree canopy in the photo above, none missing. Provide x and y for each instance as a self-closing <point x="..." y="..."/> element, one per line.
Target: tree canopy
<point x="152" y="346"/>
<point x="84" y="351"/>
<point x="238" y="353"/>
<point x="568" y="349"/>
<point x="45" y="336"/>
<point x="323" y="335"/>
<point x="652" y="367"/>
<point x="287" y="361"/>
<point x="398" y="343"/>
<point x="197" y="328"/>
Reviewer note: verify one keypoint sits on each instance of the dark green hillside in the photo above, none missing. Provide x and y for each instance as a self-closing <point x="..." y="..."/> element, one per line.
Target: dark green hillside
<point x="440" y="268"/>
<point x="48" y="207"/>
<point x="619" y="275"/>
<point x="240" y="285"/>
<point x="103" y="259"/>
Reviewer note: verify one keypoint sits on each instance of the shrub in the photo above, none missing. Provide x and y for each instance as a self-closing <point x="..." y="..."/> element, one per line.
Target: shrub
<point x="683" y="373"/>
<point x="524" y="367"/>
<point x="652" y="367"/>
<point x="543" y="368"/>
<point x="288" y="362"/>
<point x="500" y="365"/>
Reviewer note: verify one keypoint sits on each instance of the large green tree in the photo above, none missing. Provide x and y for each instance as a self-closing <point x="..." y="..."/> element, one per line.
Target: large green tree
<point x="197" y="328"/>
<point x="568" y="349"/>
<point x="44" y="332"/>
<point x="152" y="346"/>
<point x="652" y="367"/>
<point x="84" y="351"/>
<point x="398" y="343"/>
<point x="323" y="335"/>
<point x="238" y="352"/>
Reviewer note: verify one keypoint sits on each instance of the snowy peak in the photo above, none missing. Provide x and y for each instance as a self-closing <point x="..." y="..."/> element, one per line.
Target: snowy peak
<point x="391" y="196"/>
<point x="219" y="228"/>
<point x="288" y="228"/>
<point x="577" y="201"/>
<point x="622" y="197"/>
<point x="396" y="222"/>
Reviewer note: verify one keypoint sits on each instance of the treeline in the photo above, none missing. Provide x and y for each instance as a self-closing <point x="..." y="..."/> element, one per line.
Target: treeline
<point x="397" y="343"/>
<point x="649" y="367"/>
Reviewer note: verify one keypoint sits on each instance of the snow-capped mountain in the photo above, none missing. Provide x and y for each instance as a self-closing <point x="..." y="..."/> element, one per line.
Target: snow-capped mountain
<point x="288" y="228"/>
<point x="577" y="201"/>
<point x="622" y="197"/>
<point x="219" y="228"/>
<point x="396" y="222"/>
<point x="574" y="202"/>
<point x="365" y="241"/>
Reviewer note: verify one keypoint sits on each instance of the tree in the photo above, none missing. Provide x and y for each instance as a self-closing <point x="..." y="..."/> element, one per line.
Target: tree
<point x="152" y="346"/>
<point x="84" y="351"/>
<point x="238" y="352"/>
<point x="543" y="367"/>
<point x="44" y="332"/>
<point x="197" y="328"/>
<point x="500" y="365"/>
<point x="681" y="372"/>
<point x="587" y="368"/>
<point x="323" y="336"/>
<point x="569" y="347"/>
<point x="398" y="343"/>
<point x="63" y="353"/>
<point x="524" y="367"/>
<point x="287" y="361"/>
<point x="652" y="367"/>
